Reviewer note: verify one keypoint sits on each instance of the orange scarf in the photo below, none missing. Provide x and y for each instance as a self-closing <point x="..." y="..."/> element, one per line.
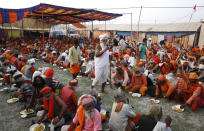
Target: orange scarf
<point x="49" y="106"/>
<point x="119" y="107"/>
<point x="80" y="118"/>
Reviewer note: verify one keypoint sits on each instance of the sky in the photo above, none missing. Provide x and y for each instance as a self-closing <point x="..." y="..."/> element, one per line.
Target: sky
<point x="148" y="15"/>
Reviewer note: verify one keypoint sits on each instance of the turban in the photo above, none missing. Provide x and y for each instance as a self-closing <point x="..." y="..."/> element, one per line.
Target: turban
<point x="193" y="75"/>
<point x="45" y="89"/>
<point x="11" y="68"/>
<point x="162" y="77"/>
<point x="20" y="56"/>
<point x="54" y="52"/>
<point x="36" y="73"/>
<point x="150" y="39"/>
<point x="31" y="61"/>
<point x="66" y="51"/>
<point x="201" y="67"/>
<point x="104" y="36"/>
<point x="49" y="73"/>
<point x="85" y="99"/>
<point x="185" y="64"/>
<point x="140" y="64"/>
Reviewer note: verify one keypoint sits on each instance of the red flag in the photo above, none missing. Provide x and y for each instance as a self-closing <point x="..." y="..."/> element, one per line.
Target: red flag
<point x="194" y="8"/>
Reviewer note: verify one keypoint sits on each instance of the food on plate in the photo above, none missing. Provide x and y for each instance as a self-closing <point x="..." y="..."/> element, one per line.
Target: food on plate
<point x="177" y="109"/>
<point x="28" y="111"/>
<point x="39" y="128"/>
<point x="152" y="101"/>
<point x="12" y="100"/>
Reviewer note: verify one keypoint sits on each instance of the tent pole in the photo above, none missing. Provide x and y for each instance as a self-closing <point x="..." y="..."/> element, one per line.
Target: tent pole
<point x="43" y="30"/>
<point x="22" y="30"/>
<point x="2" y="31"/>
<point x="66" y="30"/>
<point x="49" y="28"/>
<point x="3" y="28"/>
<point x="11" y="31"/>
<point x="92" y="28"/>
<point x="92" y="25"/>
<point x="105" y="26"/>
<point x="138" y="24"/>
<point x="131" y="25"/>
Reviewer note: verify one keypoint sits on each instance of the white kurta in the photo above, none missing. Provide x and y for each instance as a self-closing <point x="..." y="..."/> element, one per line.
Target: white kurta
<point x="122" y="44"/>
<point x="101" y="68"/>
<point x="160" y="126"/>
<point x="90" y="66"/>
<point x="132" y="61"/>
<point x="119" y="120"/>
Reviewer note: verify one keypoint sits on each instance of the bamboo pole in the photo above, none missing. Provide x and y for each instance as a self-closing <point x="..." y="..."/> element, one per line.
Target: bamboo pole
<point x="22" y="29"/>
<point x="43" y="31"/>
<point x="138" y="24"/>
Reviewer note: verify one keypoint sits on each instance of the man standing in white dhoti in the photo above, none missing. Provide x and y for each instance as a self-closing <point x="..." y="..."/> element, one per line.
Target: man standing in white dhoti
<point x="101" y="62"/>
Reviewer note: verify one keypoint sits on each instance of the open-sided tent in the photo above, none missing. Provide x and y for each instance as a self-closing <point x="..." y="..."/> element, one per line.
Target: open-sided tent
<point x="54" y="14"/>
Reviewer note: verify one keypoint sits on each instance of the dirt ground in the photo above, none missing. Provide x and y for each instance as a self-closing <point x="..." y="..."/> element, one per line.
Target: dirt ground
<point x="10" y="117"/>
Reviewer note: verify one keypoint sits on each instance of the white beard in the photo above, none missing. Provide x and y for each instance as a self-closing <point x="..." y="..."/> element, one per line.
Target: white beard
<point x="103" y="45"/>
<point x="89" y="114"/>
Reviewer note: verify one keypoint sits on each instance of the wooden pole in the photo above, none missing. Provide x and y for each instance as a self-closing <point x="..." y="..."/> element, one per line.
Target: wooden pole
<point x="66" y="30"/>
<point x="138" y="24"/>
<point x="49" y="28"/>
<point x="92" y="25"/>
<point x="11" y="31"/>
<point x="22" y="30"/>
<point x="92" y="29"/>
<point x="43" y="31"/>
<point x="131" y="25"/>
<point x="105" y="26"/>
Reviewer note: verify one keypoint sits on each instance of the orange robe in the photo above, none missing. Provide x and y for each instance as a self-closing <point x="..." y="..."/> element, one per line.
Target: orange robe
<point x="136" y="82"/>
<point x="75" y="68"/>
<point x="167" y="89"/>
<point x="175" y="66"/>
<point x="164" y="68"/>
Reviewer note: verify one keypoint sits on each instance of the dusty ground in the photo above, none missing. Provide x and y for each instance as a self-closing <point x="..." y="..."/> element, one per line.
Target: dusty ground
<point x="10" y="118"/>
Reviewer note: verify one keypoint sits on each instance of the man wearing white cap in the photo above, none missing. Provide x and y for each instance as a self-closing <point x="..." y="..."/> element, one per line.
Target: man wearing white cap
<point x="201" y="71"/>
<point x="122" y="43"/>
<point x="29" y="69"/>
<point x="101" y="62"/>
<point x="149" y="43"/>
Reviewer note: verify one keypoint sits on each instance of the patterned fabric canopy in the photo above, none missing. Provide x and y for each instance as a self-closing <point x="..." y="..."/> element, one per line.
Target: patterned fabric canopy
<point x="54" y="14"/>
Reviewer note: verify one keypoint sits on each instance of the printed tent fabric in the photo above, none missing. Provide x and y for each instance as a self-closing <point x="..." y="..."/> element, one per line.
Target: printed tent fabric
<point x="79" y="25"/>
<point x="54" y="14"/>
<point x="13" y="15"/>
